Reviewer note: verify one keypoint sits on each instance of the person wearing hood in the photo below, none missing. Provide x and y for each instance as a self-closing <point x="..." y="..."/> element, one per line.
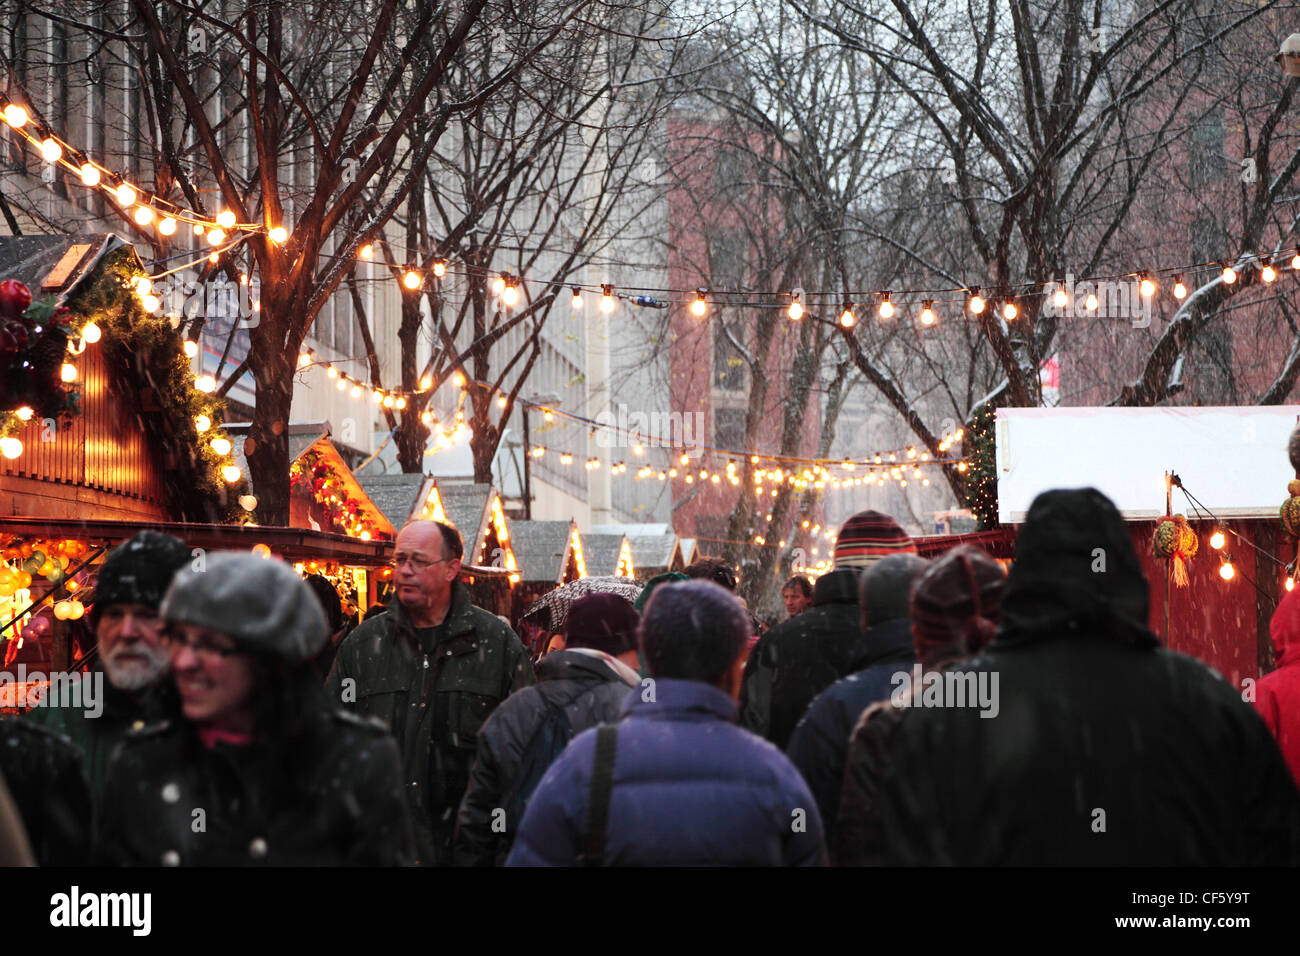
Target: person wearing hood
<point x="1098" y="746"/>
<point x="580" y="685"/>
<point x="955" y="608"/>
<point x="799" y="658"/>
<point x="821" y="739"/>
<point x="1277" y="694"/>
<point x="133" y="665"/>
<point x="259" y="770"/>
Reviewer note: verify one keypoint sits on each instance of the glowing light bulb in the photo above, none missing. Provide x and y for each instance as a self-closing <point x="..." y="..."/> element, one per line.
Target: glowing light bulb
<point x="366" y="251"/>
<point x="341" y="384"/>
<point x="68" y="372"/>
<point x="1290" y="583"/>
<point x="1227" y="571"/>
<point x="576" y="301"/>
<point x="700" y="307"/>
<point x="220" y="445"/>
<point x="199" y="229"/>
<point x="226" y="219"/>
<point x="125" y="194"/>
<point x="51" y="150"/>
<point x="1009" y="311"/>
<point x="230" y="473"/>
<point x="510" y="294"/>
<point x="168" y="226"/>
<point x="202" y="423"/>
<point x="191" y="348"/>
<point x="16" y="116"/>
<point x="216" y="237"/>
<point x="278" y="235"/>
<point x="1295" y="261"/>
<point x="1090" y="303"/>
<point x="388" y="401"/>
<point x="401" y="404"/>
<point x="976" y="303"/>
<point x="1229" y="275"/>
<point x="25" y="413"/>
<point x="1060" y="298"/>
<point x="847" y="319"/>
<point x="411" y="280"/>
<point x="607" y="301"/>
<point x="91" y="333"/>
<point x="206" y="383"/>
<point x="1268" y="273"/>
<point x="356" y="391"/>
<point x="1216" y="540"/>
<point x="886" y="307"/>
<point x="499" y="285"/>
<point x="502" y="402"/>
<point x="11" y="447"/>
<point x="1180" y="290"/>
<point x="426" y="383"/>
<point x="90" y="174"/>
<point x="796" y="307"/>
<point x="439" y="269"/>
<point x="927" y="314"/>
<point x="143" y="215"/>
<point x="151" y="303"/>
<point x="1147" y="287"/>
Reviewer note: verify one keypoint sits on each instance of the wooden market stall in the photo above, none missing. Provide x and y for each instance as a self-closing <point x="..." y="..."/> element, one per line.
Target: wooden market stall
<point x="550" y="553"/>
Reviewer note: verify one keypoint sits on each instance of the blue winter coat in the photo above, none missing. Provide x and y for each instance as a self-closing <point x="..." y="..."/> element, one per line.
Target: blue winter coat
<point x="819" y="745"/>
<point x="690" y="789"/>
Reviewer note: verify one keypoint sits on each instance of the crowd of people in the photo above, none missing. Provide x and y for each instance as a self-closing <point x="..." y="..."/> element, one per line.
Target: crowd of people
<point x="908" y="711"/>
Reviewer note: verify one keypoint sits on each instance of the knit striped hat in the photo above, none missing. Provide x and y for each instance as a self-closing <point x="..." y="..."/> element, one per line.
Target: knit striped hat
<point x="867" y="537"/>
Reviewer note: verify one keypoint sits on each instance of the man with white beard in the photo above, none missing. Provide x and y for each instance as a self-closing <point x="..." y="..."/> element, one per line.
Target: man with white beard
<point x="133" y="662"/>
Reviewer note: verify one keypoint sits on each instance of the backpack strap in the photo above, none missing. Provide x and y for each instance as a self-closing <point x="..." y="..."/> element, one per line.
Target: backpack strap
<point x="591" y="850"/>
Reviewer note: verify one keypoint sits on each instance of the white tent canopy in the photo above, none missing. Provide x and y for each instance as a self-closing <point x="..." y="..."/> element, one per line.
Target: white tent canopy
<point x="1233" y="459"/>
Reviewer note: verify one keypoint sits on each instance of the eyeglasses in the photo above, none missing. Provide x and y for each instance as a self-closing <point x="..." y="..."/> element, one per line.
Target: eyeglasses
<point x="417" y="563"/>
<point x="202" y="647"/>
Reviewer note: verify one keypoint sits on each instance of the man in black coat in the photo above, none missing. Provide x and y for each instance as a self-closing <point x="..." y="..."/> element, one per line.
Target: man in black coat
<point x="586" y="682"/>
<point x="798" y="659"/>
<point x="1103" y="748"/>
<point x="821" y="739"/>
<point x="43" y="769"/>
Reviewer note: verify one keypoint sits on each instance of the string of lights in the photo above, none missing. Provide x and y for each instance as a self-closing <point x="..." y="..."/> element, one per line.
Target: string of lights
<point x="145" y="209"/>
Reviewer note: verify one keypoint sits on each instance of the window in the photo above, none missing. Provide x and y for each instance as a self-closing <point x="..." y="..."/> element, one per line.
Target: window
<point x="728" y="364"/>
<point x="729" y="428"/>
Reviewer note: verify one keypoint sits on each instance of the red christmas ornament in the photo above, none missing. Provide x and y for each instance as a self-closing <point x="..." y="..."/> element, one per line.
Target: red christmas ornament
<point x="14" y="298"/>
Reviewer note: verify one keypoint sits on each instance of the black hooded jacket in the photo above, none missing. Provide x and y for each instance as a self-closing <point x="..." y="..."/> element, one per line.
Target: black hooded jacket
<point x="585" y="687"/>
<point x="798" y="659"/>
<point x="1105" y="749"/>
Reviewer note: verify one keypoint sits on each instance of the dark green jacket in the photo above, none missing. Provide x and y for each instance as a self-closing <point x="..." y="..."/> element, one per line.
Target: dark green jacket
<point x="97" y="737"/>
<point x="434" y="704"/>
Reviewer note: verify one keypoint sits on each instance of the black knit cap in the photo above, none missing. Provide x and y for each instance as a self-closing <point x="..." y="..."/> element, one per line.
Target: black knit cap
<point x="139" y="570"/>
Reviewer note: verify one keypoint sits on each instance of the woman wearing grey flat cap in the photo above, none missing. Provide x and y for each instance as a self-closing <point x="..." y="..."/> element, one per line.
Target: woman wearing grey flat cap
<point x="258" y="770"/>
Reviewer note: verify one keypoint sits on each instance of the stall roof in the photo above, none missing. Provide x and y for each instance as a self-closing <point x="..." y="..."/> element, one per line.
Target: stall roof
<point x="603" y="551"/>
<point x="1233" y="459"/>
<point x="466" y="505"/>
<point x="401" y="497"/>
<point x="653" y="551"/>
<point x="54" y="264"/>
<point x="292" y="544"/>
<point x="542" y="548"/>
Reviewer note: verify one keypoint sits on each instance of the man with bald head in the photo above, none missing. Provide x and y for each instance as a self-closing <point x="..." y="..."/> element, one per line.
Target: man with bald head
<point x="433" y="667"/>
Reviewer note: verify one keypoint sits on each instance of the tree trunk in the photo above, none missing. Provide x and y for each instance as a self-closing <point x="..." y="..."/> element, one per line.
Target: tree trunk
<point x="267" y="445"/>
<point x="412" y="434"/>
